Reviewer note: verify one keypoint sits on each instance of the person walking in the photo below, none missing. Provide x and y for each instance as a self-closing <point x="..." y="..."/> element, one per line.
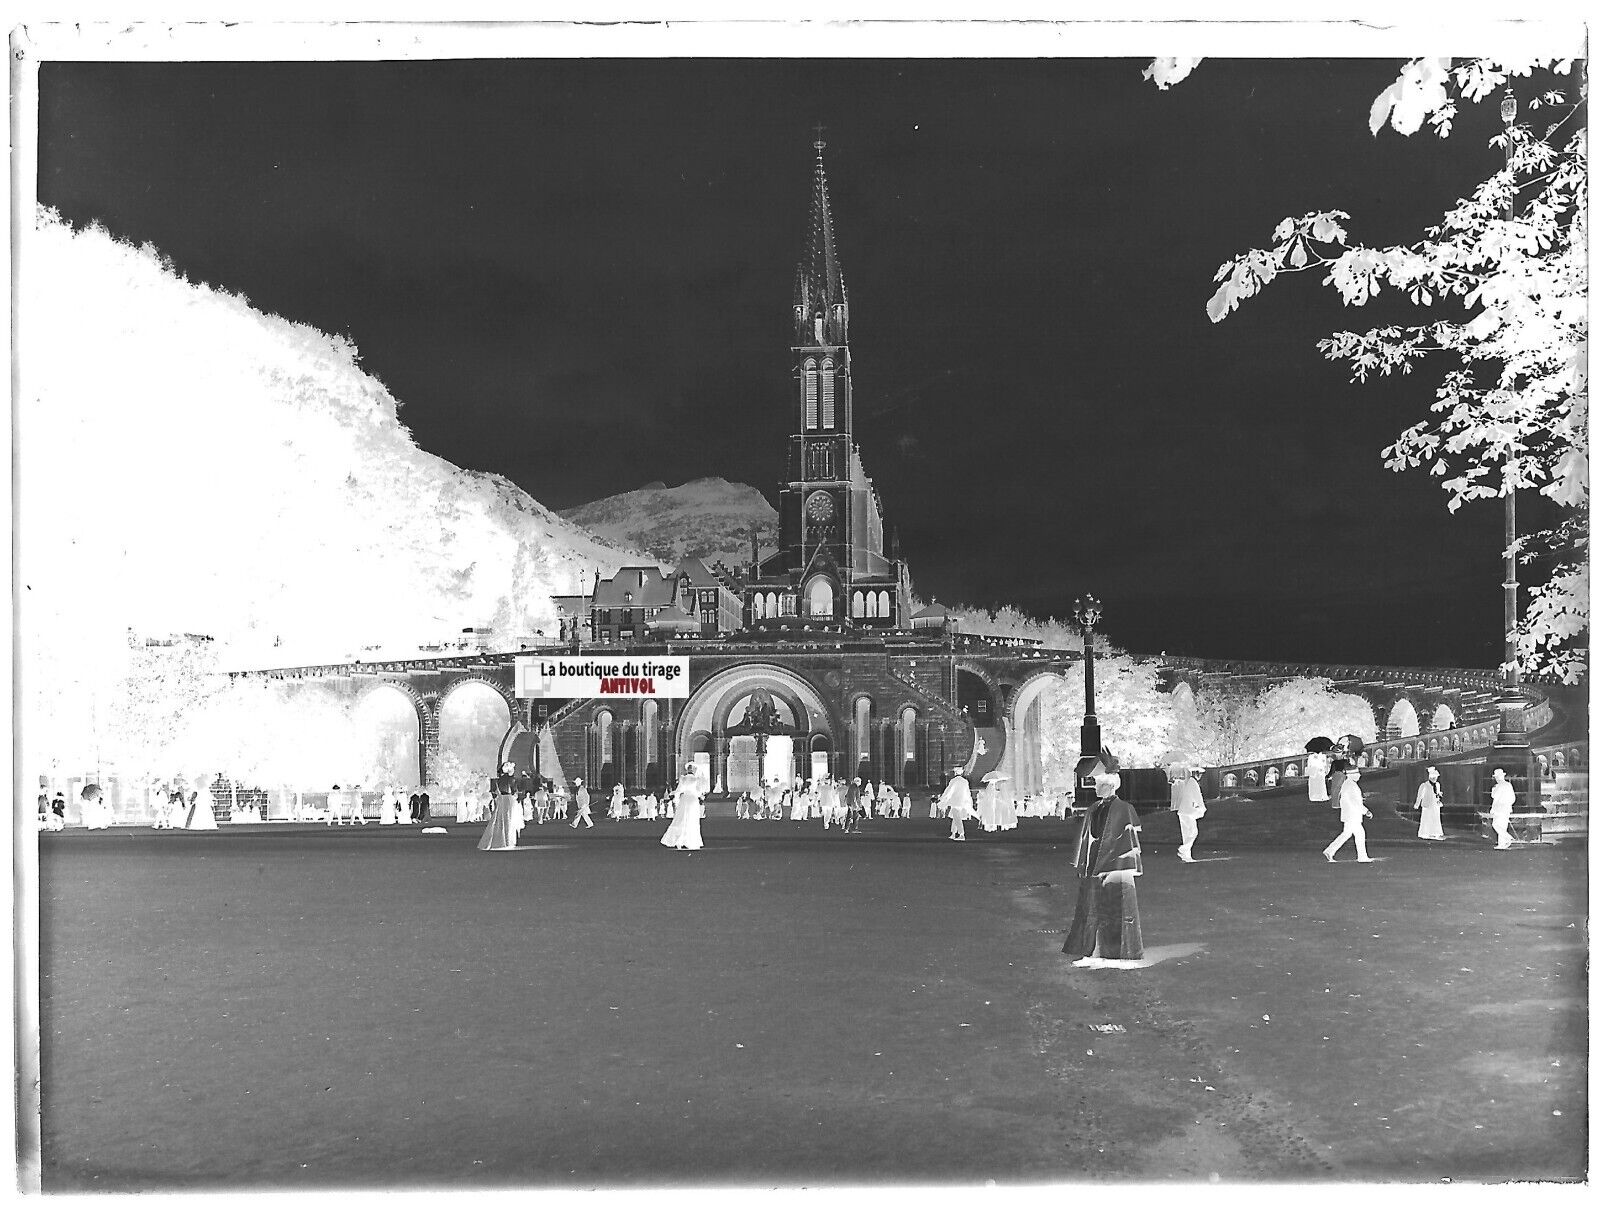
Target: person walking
<point x="541" y="803"/>
<point x="1105" y="926"/>
<point x="581" y="801"/>
<point x="505" y="821"/>
<point x="684" y="831"/>
<point x="956" y="802"/>
<point x="852" y="807"/>
<point x="1190" y="805"/>
<point x="1429" y="797"/>
<point x="1352" y="811"/>
<point x="617" y="811"/>
<point x="387" y="805"/>
<point x="1502" y="798"/>
<point x="358" y="812"/>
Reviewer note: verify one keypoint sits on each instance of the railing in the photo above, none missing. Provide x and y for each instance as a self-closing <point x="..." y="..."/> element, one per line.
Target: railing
<point x="1426" y="746"/>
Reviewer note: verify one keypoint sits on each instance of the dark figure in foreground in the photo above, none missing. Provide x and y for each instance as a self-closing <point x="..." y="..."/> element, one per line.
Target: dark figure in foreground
<point x="1105" y="925"/>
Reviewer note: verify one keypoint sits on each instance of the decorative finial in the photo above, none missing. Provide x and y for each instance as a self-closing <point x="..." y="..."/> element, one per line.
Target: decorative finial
<point x="819" y="143"/>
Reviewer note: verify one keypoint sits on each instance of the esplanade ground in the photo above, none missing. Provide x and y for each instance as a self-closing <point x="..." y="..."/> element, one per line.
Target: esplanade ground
<point x="292" y="1006"/>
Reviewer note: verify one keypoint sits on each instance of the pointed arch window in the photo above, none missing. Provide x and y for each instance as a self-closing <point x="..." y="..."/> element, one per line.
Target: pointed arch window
<point x="827" y="393"/>
<point x="883" y="603"/>
<point x="772" y="605"/>
<point x="819" y="599"/>
<point x="811" y="393"/>
<point x="602" y="724"/>
<point x="857" y="605"/>
<point x="758" y="605"/>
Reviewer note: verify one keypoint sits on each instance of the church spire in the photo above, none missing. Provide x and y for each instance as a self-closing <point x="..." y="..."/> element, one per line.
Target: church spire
<point x="819" y="293"/>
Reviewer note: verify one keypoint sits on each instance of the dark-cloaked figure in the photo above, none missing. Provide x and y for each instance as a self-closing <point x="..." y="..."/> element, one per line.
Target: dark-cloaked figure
<point x="1105" y="925"/>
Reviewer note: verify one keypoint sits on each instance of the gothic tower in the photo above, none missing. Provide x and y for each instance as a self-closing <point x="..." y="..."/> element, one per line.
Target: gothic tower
<point x="830" y="565"/>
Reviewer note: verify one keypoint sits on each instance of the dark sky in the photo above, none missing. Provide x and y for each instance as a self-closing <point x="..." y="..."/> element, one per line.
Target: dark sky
<point x="578" y="273"/>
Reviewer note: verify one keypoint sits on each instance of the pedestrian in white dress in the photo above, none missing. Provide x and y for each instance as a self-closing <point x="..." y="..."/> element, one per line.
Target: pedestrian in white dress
<point x="1429" y="797"/>
<point x="358" y="812"/>
<point x="1352" y="811"/>
<point x="684" y="831"/>
<point x="201" y="815"/>
<point x="617" y="811"/>
<point x="1502" y="798"/>
<point x="387" y="805"/>
<point x="1317" y="777"/>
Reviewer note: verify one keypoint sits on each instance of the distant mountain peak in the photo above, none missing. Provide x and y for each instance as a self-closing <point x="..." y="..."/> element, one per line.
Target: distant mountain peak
<point x="708" y="518"/>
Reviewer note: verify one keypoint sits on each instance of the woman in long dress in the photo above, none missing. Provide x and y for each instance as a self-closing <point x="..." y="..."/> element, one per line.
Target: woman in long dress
<point x="505" y="822"/>
<point x="201" y="816"/>
<point x="1317" y="777"/>
<point x="617" y="811"/>
<point x="386" y="805"/>
<point x="1428" y="798"/>
<point x="1502" y="798"/>
<point x="684" y="831"/>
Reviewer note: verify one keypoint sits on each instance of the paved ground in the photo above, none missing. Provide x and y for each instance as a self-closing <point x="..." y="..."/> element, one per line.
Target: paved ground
<point x="308" y="1008"/>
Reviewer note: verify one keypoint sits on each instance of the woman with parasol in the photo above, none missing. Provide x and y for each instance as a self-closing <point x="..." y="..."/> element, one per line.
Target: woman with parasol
<point x="1317" y="750"/>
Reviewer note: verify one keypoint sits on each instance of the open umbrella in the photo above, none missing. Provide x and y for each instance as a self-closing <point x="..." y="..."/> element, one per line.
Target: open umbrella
<point x="996" y="776"/>
<point x="90" y="792"/>
<point x="1176" y="756"/>
<point x="1354" y="745"/>
<point x="1320" y="744"/>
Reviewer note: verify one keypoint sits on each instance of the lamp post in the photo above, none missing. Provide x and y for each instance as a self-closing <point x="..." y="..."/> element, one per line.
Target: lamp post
<point x="1087" y="613"/>
<point x="1513" y="726"/>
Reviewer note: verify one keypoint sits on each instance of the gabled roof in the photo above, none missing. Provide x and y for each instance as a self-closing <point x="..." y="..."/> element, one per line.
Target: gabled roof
<point x="702" y="576"/>
<point x="933" y="610"/>
<point x="635" y="588"/>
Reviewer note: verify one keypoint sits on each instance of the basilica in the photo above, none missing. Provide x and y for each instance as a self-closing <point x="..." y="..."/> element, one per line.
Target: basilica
<point x="809" y="661"/>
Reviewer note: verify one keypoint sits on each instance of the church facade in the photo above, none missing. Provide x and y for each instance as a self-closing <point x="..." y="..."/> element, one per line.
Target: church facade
<point x="827" y="675"/>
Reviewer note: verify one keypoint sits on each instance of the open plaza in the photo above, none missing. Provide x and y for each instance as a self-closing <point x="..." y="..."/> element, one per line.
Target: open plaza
<point x="298" y="1007"/>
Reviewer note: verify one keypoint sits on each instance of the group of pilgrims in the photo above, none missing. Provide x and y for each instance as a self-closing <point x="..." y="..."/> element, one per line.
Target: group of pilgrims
<point x="834" y="801"/>
<point x="518" y="801"/>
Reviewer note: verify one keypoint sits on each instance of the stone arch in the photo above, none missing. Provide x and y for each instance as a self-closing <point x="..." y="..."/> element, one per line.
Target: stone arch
<point x="821" y="597"/>
<point x="978" y="697"/>
<point x="1443" y="719"/>
<point x="1402" y="719"/>
<point x="705" y="712"/>
<point x="470" y="748"/>
<point x="396" y="754"/>
<point x="906" y="745"/>
<point x="1023" y="760"/>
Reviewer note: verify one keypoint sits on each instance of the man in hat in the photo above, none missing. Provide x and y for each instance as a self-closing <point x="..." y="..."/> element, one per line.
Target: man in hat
<point x="581" y="799"/>
<point x="956" y="802"/>
<point x="1105" y="925"/>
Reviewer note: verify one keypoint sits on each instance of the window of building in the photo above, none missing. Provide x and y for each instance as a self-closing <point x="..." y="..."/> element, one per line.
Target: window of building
<point x="811" y="394"/>
<point x="827" y="393"/>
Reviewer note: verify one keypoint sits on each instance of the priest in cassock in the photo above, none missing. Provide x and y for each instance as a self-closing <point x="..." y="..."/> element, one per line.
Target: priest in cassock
<point x="1105" y="926"/>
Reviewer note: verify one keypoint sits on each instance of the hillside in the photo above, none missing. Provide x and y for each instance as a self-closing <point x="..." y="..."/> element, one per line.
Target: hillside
<point x="189" y="464"/>
<point x="708" y="518"/>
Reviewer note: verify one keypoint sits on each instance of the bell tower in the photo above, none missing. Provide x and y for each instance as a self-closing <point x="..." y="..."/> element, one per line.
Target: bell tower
<point x="814" y="506"/>
<point x="830" y="568"/>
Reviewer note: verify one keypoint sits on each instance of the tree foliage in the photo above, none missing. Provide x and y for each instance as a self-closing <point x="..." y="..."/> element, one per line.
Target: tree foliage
<point x="1503" y="278"/>
<point x="1229" y="721"/>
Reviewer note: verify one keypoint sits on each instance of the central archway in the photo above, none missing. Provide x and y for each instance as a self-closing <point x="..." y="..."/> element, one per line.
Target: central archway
<point x="720" y="704"/>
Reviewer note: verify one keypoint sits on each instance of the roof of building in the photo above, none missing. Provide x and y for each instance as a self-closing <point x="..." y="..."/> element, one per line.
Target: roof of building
<point x="635" y="588"/>
<point x="672" y="619"/>
<point x="702" y="576"/>
<point x="572" y="603"/>
<point x="933" y="610"/>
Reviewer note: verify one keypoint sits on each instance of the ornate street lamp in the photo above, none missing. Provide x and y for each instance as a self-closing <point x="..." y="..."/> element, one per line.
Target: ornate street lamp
<point x="1087" y="613"/>
<point x="1513" y="725"/>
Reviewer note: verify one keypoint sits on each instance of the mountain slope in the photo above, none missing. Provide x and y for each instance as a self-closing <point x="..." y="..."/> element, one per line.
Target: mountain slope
<point x="708" y="518"/>
<point x="186" y="463"/>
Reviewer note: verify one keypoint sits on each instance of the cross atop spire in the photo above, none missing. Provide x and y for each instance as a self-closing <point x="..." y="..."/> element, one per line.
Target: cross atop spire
<point x="819" y="282"/>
